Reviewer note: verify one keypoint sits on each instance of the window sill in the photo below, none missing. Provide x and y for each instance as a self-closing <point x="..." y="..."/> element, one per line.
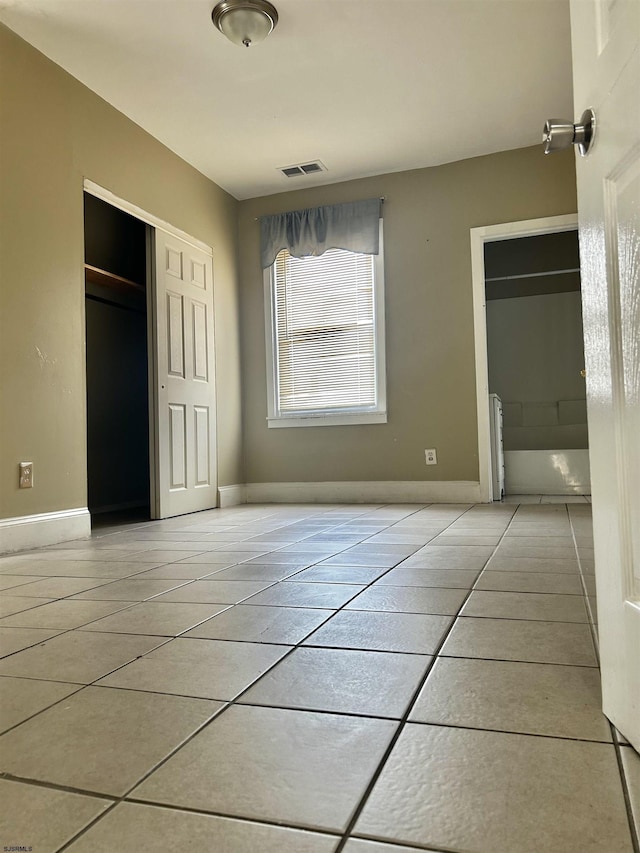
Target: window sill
<point x="328" y="420"/>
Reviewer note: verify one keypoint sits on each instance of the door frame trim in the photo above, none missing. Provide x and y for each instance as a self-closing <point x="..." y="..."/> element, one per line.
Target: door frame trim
<point x="148" y="218"/>
<point x="153" y="223"/>
<point x="480" y="236"/>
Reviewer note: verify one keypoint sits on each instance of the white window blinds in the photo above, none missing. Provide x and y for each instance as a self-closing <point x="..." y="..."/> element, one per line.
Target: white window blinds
<point x="324" y="327"/>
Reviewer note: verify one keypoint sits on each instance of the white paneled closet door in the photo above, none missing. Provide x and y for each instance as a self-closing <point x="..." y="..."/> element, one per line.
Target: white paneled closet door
<point x="185" y="416"/>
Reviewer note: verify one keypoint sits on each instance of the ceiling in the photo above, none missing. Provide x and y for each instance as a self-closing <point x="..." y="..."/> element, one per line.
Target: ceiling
<point x="365" y="86"/>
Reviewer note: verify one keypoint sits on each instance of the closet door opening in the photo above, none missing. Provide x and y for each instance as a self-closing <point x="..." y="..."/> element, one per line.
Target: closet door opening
<point x="536" y="363"/>
<point x="116" y="277"/>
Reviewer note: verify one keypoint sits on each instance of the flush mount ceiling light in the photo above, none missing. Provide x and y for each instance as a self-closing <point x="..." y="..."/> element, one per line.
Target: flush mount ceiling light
<point x="245" y="22"/>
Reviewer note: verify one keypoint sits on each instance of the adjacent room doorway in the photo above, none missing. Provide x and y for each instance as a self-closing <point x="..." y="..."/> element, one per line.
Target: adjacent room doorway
<point x="528" y="338"/>
<point x="535" y="353"/>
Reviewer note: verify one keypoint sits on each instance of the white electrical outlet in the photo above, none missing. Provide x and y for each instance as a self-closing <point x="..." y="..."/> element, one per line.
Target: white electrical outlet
<point x="26" y="475"/>
<point x="430" y="457"/>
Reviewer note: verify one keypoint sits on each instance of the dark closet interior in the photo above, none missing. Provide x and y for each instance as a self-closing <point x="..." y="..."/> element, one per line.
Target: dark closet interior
<point x="117" y="361"/>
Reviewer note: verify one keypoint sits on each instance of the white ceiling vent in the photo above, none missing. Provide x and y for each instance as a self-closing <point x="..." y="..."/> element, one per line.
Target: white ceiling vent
<point x="303" y="169"/>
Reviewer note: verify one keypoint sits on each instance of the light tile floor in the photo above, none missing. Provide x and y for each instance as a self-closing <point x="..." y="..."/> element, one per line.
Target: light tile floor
<point x="313" y="679"/>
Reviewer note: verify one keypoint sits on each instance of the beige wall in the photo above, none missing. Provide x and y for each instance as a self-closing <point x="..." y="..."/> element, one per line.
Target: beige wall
<point x="429" y="317"/>
<point x="55" y="132"/>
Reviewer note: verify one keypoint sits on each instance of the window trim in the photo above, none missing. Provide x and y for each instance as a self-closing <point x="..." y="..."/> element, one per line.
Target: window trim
<point x="329" y="417"/>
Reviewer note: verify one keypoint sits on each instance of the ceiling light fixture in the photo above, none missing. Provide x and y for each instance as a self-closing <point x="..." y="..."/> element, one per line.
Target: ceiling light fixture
<point x="245" y="22"/>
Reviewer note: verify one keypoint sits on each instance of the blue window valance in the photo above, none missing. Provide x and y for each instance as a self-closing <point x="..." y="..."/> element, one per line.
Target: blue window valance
<point x="352" y="226"/>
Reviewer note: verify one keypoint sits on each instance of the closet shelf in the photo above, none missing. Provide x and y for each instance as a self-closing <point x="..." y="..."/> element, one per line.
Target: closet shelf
<point x="97" y="276"/>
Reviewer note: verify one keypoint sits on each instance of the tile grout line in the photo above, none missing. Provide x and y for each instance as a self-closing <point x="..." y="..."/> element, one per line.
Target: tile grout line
<point x="633" y="831"/>
<point x="53" y="786"/>
<point x="174" y="751"/>
<point x="230" y="605"/>
<point x="331" y="612"/>
<point x="585" y="591"/>
<point x="334" y="834"/>
<point x="83" y="686"/>
<point x="143" y="526"/>
<point x="79" y="685"/>
<point x="405" y="717"/>
<point x="134" y="576"/>
<point x="182" y="560"/>
<point x="405" y="845"/>
<point x="213" y="717"/>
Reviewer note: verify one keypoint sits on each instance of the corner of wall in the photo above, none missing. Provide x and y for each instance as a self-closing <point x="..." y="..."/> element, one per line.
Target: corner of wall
<point x="232" y="495"/>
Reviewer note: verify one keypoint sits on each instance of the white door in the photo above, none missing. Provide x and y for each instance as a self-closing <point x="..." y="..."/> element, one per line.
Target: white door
<point x="184" y="398"/>
<point x="606" y="70"/>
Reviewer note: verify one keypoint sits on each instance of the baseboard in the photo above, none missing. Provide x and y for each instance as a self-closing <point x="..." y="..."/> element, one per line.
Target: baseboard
<point x="547" y="472"/>
<point x="47" y="528"/>
<point x="385" y="491"/>
<point x="232" y="495"/>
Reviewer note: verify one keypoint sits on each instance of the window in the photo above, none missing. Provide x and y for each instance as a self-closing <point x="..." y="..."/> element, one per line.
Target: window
<point x="325" y="339"/>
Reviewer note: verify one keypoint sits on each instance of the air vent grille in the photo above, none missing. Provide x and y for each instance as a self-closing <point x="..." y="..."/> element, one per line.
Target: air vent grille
<point x="300" y="169"/>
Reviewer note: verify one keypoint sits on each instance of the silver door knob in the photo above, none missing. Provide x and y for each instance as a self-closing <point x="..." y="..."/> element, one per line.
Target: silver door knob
<point x="560" y="133"/>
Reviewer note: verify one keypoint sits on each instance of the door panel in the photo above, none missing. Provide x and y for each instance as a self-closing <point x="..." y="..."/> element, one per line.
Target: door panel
<point x="185" y="391"/>
<point x="606" y="64"/>
<point x="198" y="274"/>
<point x="178" y="446"/>
<point x="175" y="334"/>
<point x="200" y="341"/>
<point x="173" y="262"/>
<point x="201" y="416"/>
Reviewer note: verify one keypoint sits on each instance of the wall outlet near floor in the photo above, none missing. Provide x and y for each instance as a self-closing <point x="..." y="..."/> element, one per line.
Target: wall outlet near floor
<point x="430" y="457"/>
<point x="26" y="475"/>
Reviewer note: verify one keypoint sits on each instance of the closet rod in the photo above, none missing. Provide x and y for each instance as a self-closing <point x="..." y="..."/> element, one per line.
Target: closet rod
<point x="119" y="305"/>
<point x="532" y="275"/>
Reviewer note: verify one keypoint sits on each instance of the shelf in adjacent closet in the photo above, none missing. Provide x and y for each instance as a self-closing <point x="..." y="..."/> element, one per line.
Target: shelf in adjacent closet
<point x="95" y="275"/>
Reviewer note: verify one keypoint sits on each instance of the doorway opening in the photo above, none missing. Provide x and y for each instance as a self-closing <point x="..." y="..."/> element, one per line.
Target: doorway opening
<point x="535" y="354"/>
<point x="152" y="407"/>
<point x="566" y="467"/>
<point x="116" y="275"/>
